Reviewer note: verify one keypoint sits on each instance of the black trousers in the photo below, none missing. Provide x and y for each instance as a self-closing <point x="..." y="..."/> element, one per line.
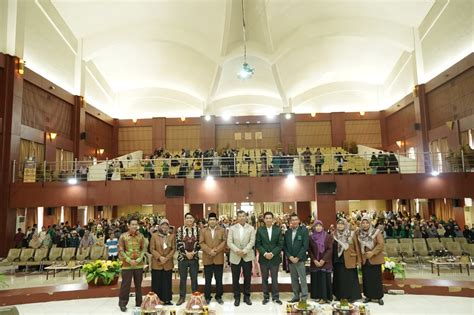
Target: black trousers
<point x="127" y="275"/>
<point x="246" y="267"/>
<point x="183" y="267"/>
<point x="161" y="284"/>
<point x="216" y="271"/>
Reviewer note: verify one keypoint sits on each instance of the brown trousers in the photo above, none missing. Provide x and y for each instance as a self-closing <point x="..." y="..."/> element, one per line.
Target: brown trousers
<point x="127" y="275"/>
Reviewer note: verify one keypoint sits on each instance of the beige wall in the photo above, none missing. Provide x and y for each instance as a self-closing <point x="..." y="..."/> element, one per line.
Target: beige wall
<point x="313" y="134"/>
<point x="226" y="135"/>
<point x="378" y="205"/>
<point x="132" y="139"/>
<point x="183" y="137"/>
<point x="365" y="132"/>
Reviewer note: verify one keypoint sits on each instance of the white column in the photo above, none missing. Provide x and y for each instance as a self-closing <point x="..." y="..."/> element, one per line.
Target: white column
<point x="62" y="215"/>
<point x="15" y="27"/>
<point x="85" y="216"/>
<point x="40" y="213"/>
<point x="418" y="65"/>
<point x="79" y="70"/>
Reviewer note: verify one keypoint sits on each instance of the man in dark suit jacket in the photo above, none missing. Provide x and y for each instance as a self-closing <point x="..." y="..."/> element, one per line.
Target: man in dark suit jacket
<point x="269" y="243"/>
<point x="296" y="245"/>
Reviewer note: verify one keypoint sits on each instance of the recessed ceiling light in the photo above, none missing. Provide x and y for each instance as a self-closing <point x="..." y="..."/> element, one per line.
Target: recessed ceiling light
<point x="313" y="114"/>
<point x="288" y="116"/>
<point x="207" y="117"/>
<point x="247" y="122"/>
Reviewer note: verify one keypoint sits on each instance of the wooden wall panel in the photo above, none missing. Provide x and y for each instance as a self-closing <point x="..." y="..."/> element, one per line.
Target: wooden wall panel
<point x="313" y="134"/>
<point x="44" y="111"/>
<point x="401" y="124"/>
<point x="132" y="139"/>
<point x="452" y="101"/>
<point x="183" y="137"/>
<point x="99" y="135"/>
<point x="225" y="135"/>
<point x="365" y="132"/>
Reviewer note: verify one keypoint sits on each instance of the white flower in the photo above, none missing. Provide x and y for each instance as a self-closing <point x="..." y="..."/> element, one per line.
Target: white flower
<point x="392" y="264"/>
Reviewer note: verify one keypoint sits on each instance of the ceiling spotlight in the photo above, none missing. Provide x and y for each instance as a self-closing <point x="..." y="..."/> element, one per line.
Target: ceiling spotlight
<point x="270" y="116"/>
<point x="313" y="114"/>
<point x="246" y="72"/>
<point x="288" y="116"/>
<point x="207" y="117"/>
<point x="72" y="181"/>
<point x="362" y="113"/>
<point x="434" y="173"/>
<point x="183" y="118"/>
<point x="237" y="122"/>
<point x="226" y="117"/>
<point x="134" y="120"/>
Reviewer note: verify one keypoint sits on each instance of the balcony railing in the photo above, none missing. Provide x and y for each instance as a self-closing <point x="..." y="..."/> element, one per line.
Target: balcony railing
<point x="239" y="166"/>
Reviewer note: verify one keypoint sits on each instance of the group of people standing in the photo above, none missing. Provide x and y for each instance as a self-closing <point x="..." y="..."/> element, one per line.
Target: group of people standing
<point x="334" y="258"/>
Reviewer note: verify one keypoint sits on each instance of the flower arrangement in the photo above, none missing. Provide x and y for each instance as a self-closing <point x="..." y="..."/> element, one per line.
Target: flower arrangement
<point x="104" y="271"/>
<point x="394" y="267"/>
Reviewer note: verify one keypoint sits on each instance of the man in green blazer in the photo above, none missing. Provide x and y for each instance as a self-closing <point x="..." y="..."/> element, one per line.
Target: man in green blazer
<point x="269" y="243"/>
<point x="295" y="247"/>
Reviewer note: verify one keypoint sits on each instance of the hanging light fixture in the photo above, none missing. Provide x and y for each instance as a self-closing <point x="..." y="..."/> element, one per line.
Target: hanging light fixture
<point x="246" y="72"/>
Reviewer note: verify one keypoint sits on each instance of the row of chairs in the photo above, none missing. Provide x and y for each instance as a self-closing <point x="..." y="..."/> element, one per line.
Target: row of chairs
<point x="418" y="250"/>
<point x="26" y="257"/>
<point x="444" y="240"/>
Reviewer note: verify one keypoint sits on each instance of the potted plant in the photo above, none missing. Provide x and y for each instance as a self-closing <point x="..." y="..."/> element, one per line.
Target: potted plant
<point x="102" y="272"/>
<point x="391" y="268"/>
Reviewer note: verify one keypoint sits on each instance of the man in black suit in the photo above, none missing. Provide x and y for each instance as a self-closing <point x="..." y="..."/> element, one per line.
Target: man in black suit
<point x="269" y="243"/>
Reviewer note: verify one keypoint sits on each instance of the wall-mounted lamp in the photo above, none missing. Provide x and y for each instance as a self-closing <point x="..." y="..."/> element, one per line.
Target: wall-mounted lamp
<point x="21" y="66"/>
<point x="362" y="113"/>
<point x="134" y="120"/>
<point x="82" y="102"/>
<point x="100" y="151"/>
<point x="399" y="143"/>
<point x="415" y="91"/>
<point x="313" y="114"/>
<point x="183" y="118"/>
<point x="52" y="136"/>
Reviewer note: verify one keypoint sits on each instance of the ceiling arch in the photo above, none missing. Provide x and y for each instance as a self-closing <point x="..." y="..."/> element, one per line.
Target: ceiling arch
<point x="380" y="30"/>
<point x="185" y="38"/>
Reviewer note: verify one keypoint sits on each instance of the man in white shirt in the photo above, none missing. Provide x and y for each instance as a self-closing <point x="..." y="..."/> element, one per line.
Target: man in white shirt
<point x="241" y="240"/>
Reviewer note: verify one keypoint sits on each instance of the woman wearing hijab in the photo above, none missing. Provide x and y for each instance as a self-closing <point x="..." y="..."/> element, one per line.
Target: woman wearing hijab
<point x="371" y="255"/>
<point x="162" y="248"/>
<point x="345" y="259"/>
<point x="320" y="252"/>
<point x="35" y="241"/>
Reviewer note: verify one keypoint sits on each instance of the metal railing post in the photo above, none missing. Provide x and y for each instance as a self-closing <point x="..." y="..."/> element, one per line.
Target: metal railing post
<point x="365" y="162"/>
<point x="14" y="171"/>
<point x="107" y="168"/>
<point x="44" y="172"/>
<point x="462" y="160"/>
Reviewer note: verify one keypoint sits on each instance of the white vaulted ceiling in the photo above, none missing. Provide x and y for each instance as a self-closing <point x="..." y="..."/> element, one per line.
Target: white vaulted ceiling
<point x="180" y="57"/>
